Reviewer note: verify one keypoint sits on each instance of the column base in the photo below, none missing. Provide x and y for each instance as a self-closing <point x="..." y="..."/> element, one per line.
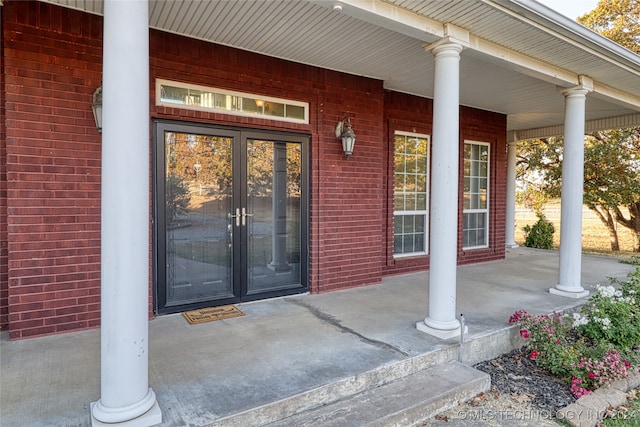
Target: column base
<point x="443" y="334"/>
<point x="279" y="267"/>
<point x="152" y="417"/>
<point x="511" y="245"/>
<point x="575" y="295"/>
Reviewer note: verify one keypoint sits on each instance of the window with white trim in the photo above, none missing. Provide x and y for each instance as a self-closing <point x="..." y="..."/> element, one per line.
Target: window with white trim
<point x="202" y="98"/>
<point x="410" y="197"/>
<point x="476" y="195"/>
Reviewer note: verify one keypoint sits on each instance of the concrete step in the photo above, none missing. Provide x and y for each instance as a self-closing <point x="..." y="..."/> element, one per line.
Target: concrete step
<point x="407" y="401"/>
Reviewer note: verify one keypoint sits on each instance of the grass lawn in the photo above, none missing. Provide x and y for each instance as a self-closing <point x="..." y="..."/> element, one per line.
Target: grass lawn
<point x="595" y="237"/>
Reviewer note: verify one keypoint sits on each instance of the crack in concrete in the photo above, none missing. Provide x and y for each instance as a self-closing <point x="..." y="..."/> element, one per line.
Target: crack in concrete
<point x="331" y="320"/>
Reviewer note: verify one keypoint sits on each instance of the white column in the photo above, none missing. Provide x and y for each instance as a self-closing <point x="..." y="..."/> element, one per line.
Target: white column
<point x="571" y="196"/>
<point x="125" y="396"/>
<point x="443" y="242"/>
<point x="510" y="215"/>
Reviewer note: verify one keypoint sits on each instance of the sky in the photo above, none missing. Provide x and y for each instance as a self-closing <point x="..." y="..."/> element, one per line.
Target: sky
<point x="571" y="8"/>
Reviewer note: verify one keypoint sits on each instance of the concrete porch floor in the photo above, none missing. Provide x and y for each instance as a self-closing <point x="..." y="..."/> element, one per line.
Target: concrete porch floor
<point x="202" y="374"/>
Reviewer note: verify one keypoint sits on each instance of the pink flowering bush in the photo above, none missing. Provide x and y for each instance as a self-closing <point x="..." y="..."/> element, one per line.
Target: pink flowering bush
<point x="593" y="347"/>
<point x="546" y="339"/>
<point x="593" y="373"/>
<point x="577" y="389"/>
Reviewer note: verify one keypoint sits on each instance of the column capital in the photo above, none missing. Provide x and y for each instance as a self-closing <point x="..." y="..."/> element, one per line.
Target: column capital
<point x="585" y="86"/>
<point x="454" y="38"/>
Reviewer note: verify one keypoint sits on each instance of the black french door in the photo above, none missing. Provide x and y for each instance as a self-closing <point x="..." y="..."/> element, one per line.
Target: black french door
<point x="230" y="215"/>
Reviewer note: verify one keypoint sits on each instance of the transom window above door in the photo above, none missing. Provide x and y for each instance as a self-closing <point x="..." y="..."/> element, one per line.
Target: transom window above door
<point x="410" y="194"/>
<point x="202" y="98"/>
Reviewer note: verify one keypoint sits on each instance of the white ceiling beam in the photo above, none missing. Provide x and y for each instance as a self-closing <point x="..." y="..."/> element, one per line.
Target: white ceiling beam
<point x="388" y="16"/>
<point x="524" y="64"/>
<point x="616" y="95"/>
<point x="618" y="122"/>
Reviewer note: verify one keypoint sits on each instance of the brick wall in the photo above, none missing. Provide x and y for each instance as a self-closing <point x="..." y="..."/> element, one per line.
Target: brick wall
<point x="414" y="114"/>
<point x="52" y="65"/>
<point x="4" y="274"/>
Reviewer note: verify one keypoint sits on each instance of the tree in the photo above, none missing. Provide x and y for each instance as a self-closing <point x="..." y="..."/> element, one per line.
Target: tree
<point x="618" y="20"/>
<point x="611" y="175"/>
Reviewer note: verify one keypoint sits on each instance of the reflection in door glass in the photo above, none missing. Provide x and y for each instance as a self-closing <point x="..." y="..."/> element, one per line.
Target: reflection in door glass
<point x="274" y="225"/>
<point x="198" y="189"/>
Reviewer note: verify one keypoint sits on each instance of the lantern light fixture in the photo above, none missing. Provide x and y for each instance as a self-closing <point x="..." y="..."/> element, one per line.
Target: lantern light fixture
<point x="346" y="134"/>
<point x="97" y="108"/>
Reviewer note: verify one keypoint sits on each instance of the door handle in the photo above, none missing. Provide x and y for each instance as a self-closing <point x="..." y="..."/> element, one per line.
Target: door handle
<point x="244" y="216"/>
<point x="237" y="217"/>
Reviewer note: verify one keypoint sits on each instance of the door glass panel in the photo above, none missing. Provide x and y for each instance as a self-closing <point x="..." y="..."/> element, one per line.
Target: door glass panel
<point x="273" y="215"/>
<point x="198" y="199"/>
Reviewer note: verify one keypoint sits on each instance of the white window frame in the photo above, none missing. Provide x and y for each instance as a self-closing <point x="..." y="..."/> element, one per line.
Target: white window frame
<point x="484" y="210"/>
<point x="216" y="91"/>
<point x="424" y="212"/>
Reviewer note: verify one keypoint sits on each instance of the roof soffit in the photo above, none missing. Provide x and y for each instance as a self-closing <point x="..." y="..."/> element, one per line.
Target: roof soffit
<point x="518" y="60"/>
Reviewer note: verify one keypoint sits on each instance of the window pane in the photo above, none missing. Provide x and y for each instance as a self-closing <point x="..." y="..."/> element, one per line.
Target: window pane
<point x="398" y="202"/>
<point x="411" y="164"/>
<point x="410" y="184"/>
<point x="411" y="145"/>
<point x="407" y="244"/>
<point x="399" y="182"/>
<point x="408" y="224"/>
<point x="421" y="165"/>
<point x="295" y="112"/>
<point x="410" y="203"/>
<point x="274" y="109"/>
<point x="476" y="195"/>
<point x="397" y="224"/>
<point x="397" y="244"/>
<point x="411" y="168"/>
<point x="422" y="184"/>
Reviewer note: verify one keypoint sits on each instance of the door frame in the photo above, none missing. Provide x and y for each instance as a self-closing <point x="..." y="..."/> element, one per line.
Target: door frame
<point x="240" y="268"/>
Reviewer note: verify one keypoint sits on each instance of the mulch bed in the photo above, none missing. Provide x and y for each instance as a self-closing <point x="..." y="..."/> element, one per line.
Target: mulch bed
<point x="515" y="374"/>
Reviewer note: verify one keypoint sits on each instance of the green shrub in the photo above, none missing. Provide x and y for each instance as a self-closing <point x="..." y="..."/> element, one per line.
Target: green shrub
<point x="540" y="234"/>
<point x="613" y="314"/>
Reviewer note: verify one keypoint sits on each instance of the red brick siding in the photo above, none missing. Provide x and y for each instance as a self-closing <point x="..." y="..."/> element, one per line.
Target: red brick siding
<point x="52" y="64"/>
<point x="414" y="114"/>
<point x="4" y="256"/>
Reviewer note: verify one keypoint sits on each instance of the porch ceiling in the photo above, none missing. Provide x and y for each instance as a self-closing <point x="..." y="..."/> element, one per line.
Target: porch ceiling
<point x="518" y="52"/>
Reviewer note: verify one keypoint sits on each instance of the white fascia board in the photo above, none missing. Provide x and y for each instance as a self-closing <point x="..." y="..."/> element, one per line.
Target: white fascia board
<point x="525" y="64"/>
<point x="618" y="122"/>
<point x="388" y="16"/>
<point x="569" y="31"/>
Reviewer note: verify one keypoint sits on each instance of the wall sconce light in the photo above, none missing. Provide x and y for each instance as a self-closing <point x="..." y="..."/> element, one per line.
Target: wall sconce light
<point x="97" y="108"/>
<point x="345" y="133"/>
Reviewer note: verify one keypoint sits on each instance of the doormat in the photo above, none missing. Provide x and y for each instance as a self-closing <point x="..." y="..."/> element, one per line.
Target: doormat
<point x="210" y="314"/>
